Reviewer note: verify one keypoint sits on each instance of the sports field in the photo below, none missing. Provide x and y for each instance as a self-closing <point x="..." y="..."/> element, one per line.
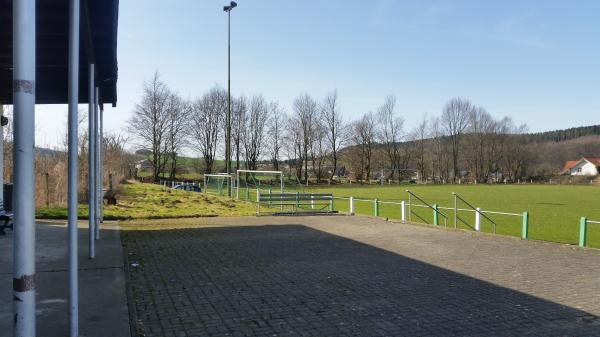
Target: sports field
<point x="554" y="211"/>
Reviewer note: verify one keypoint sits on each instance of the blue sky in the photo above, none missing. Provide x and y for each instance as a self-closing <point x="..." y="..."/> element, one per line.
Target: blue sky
<point x="535" y="61"/>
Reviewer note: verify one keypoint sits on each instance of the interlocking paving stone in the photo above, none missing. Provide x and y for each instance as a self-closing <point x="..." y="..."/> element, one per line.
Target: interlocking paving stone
<point x="355" y="276"/>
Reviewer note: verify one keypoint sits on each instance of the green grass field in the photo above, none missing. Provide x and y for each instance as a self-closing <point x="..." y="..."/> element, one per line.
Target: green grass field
<point x="554" y="211"/>
<point x="149" y="201"/>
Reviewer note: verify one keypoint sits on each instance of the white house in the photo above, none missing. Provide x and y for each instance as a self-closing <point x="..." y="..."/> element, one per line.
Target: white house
<point x="586" y="166"/>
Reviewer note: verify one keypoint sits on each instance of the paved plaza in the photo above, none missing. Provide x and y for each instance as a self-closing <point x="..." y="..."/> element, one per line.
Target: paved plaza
<point x="103" y="310"/>
<point x="355" y="276"/>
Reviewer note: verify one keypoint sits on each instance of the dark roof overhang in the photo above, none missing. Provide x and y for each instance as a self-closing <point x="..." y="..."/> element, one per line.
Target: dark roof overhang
<point x="98" y="43"/>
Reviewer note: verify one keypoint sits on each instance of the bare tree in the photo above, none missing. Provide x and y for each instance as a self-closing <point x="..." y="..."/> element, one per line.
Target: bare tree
<point x="479" y="140"/>
<point x="419" y="138"/>
<point x="276" y="119"/>
<point x="239" y="110"/>
<point x="305" y="113"/>
<point x="390" y="131"/>
<point x="178" y="114"/>
<point x="364" y="137"/>
<point x="334" y="124"/>
<point x="318" y="150"/>
<point x="254" y="131"/>
<point x="455" y="119"/>
<point x="207" y="116"/>
<point x="440" y="159"/>
<point x="149" y="122"/>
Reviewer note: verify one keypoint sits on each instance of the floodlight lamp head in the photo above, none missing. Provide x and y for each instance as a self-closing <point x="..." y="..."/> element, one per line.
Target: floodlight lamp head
<point x="231" y="6"/>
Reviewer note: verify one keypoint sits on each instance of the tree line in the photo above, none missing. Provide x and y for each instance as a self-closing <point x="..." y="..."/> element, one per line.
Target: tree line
<point x="315" y="141"/>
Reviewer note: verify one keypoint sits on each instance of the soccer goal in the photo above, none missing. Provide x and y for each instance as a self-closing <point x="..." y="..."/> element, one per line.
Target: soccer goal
<point x="249" y="183"/>
<point x="217" y="183"/>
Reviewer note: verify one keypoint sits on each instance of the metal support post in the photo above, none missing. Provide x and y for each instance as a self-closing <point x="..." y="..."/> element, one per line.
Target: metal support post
<point x="478" y="219"/>
<point x="376" y="207"/>
<point x="351" y="206"/>
<point x="583" y="232"/>
<point x="97" y="165"/>
<point x="73" y="147"/>
<point x="24" y="45"/>
<point x="100" y="163"/>
<point x="1" y="159"/>
<point x="91" y="166"/>
<point x="525" y="229"/>
<point x="403" y="209"/>
<point x="436" y="220"/>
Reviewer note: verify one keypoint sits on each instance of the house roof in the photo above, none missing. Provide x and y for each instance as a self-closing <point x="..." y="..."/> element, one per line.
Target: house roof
<point x="593" y="160"/>
<point x="98" y="42"/>
<point x="572" y="163"/>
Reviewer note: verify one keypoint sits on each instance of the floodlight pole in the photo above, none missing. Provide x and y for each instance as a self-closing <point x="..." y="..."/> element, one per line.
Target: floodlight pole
<point x="24" y="45"/>
<point x="228" y="9"/>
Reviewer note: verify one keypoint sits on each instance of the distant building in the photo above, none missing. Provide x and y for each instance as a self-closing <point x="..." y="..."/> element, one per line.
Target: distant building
<point x="586" y="166"/>
<point x="143" y="165"/>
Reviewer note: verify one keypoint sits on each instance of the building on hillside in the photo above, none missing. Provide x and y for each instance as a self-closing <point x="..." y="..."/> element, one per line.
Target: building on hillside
<point x="144" y="165"/>
<point x="586" y="166"/>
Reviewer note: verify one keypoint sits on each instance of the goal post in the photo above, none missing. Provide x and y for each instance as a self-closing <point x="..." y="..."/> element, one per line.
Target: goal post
<point x="253" y="174"/>
<point x="220" y="182"/>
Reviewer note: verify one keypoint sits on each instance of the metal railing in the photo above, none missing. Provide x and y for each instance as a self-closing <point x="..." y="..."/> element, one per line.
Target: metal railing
<point x="478" y="214"/>
<point x="435" y="209"/>
<point x="583" y="228"/>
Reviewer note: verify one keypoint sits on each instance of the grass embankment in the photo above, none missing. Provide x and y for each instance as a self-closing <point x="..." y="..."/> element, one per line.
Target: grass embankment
<point x="554" y="210"/>
<point x="149" y="201"/>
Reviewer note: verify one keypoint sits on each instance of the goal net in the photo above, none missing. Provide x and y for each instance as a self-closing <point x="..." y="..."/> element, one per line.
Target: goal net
<point x="249" y="182"/>
<point x="217" y="183"/>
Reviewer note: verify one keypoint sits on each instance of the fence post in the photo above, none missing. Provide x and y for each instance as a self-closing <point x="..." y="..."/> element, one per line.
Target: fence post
<point x="582" y="232"/>
<point x="330" y="204"/>
<point x="270" y="196"/>
<point x="477" y="219"/>
<point x="312" y="202"/>
<point x="403" y="207"/>
<point x="436" y="220"/>
<point x="525" y="232"/>
<point x="247" y="194"/>
<point x="351" y="206"/>
<point x="257" y="202"/>
<point x="376" y="207"/>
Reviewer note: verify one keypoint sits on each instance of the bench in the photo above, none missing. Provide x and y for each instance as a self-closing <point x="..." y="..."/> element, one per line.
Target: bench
<point x="296" y="203"/>
<point x="6" y="221"/>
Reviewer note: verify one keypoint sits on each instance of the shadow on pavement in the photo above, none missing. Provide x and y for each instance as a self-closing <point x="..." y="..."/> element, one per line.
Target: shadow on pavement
<point x="295" y="280"/>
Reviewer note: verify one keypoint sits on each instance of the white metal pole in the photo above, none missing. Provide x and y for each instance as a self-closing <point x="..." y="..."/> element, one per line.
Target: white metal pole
<point x="1" y="159"/>
<point x="24" y="46"/>
<point x="100" y="161"/>
<point x="477" y="219"/>
<point x="351" y="201"/>
<point x="403" y="207"/>
<point x="91" y="166"/>
<point x="237" y="185"/>
<point x="97" y="164"/>
<point x="73" y="147"/>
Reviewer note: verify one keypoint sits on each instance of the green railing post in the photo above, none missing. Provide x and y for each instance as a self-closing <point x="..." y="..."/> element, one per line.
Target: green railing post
<point x="525" y="232"/>
<point x="247" y="194"/>
<point x="270" y="196"/>
<point x="436" y="220"/>
<point x="331" y="204"/>
<point x="376" y="207"/>
<point x="582" y="232"/>
<point x="297" y="200"/>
